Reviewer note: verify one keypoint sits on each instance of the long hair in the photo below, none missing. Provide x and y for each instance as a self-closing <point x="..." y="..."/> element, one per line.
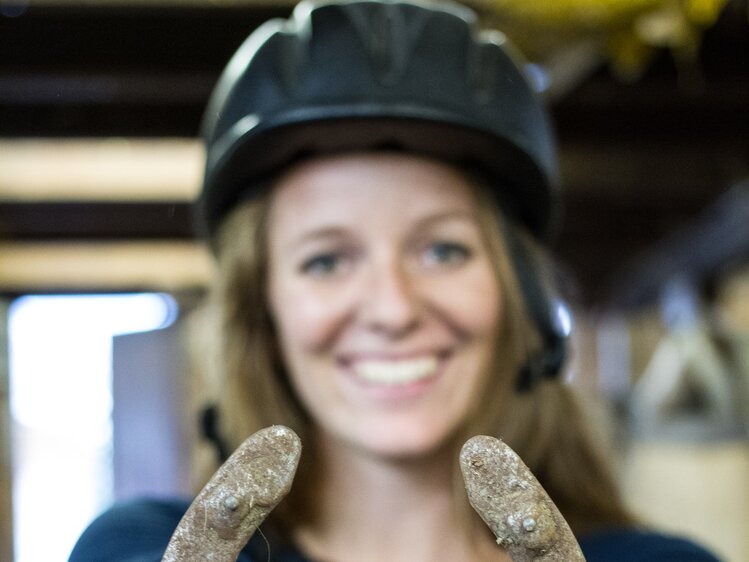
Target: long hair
<point x="547" y="425"/>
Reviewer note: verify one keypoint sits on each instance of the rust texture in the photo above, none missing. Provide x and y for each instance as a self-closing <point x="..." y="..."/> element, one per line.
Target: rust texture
<point x="514" y="505"/>
<point x="237" y="498"/>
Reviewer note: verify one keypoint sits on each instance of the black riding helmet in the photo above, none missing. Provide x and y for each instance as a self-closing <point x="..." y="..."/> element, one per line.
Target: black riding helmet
<point x="388" y="74"/>
<point x="348" y="75"/>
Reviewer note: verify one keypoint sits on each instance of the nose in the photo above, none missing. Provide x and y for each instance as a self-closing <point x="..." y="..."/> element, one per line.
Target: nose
<point x="390" y="304"/>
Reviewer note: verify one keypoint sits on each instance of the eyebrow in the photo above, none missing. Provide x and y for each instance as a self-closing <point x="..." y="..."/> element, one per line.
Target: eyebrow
<point x="446" y="215"/>
<point x="316" y="234"/>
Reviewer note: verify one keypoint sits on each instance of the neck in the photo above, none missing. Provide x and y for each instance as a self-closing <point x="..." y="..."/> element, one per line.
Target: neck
<point x="369" y="508"/>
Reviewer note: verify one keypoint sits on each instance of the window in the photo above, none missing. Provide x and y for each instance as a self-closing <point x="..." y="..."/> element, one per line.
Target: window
<point x="60" y="351"/>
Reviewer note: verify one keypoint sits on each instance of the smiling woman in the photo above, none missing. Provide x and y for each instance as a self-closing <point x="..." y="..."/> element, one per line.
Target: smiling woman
<point x="387" y="345"/>
<point x="380" y="177"/>
<point x="396" y="325"/>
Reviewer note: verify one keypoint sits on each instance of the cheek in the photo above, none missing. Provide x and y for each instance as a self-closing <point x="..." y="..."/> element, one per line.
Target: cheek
<point x="475" y="303"/>
<point x="305" y="320"/>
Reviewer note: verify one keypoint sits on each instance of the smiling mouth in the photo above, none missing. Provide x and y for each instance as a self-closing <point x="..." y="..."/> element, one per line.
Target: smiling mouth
<point x="396" y="372"/>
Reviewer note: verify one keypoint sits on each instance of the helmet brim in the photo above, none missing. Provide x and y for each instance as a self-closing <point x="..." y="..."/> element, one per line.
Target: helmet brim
<point x="255" y="152"/>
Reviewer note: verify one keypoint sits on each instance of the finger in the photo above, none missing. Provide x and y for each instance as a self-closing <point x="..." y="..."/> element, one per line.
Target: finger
<point x="244" y="490"/>
<point x="514" y="505"/>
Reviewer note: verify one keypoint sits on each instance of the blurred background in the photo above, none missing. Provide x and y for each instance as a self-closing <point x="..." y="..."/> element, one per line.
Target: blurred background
<point x="101" y="276"/>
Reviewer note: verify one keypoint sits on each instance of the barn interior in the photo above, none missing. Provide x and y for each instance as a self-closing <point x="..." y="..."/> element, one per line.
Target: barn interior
<point x="100" y="160"/>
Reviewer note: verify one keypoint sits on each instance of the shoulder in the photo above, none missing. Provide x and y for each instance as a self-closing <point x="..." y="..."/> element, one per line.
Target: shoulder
<point x="139" y="531"/>
<point x="134" y="531"/>
<point x="625" y="545"/>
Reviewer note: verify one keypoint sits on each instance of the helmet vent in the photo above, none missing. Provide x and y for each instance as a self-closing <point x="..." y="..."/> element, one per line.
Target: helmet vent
<point x="385" y="37"/>
<point x="483" y="69"/>
<point x="291" y="58"/>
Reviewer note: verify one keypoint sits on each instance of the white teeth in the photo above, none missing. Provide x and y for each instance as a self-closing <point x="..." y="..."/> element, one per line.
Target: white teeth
<point x="396" y="372"/>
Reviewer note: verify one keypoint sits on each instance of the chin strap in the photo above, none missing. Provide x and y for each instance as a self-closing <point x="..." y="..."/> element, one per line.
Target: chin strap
<point x="210" y="431"/>
<point x="549" y="314"/>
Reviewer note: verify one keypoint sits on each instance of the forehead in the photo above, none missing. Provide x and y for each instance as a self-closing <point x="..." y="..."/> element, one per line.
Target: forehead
<point x="374" y="184"/>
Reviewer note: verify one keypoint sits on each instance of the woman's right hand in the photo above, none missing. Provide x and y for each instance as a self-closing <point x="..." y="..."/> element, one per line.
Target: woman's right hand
<point x="238" y="497"/>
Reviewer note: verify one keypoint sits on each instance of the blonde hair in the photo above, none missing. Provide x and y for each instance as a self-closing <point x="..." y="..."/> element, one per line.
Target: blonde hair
<point x="545" y="425"/>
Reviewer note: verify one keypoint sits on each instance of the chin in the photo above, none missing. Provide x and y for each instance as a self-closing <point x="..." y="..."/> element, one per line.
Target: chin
<point x="402" y="443"/>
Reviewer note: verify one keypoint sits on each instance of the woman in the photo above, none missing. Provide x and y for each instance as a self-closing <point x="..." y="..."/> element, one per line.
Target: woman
<point x="379" y="176"/>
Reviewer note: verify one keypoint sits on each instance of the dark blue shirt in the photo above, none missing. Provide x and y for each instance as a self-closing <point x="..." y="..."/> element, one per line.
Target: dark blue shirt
<point x="140" y="531"/>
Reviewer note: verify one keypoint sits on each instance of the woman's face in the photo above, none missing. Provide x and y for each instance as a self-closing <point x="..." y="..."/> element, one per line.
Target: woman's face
<point x="384" y="298"/>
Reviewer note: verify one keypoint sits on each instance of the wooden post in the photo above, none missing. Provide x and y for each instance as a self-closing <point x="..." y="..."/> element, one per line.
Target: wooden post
<point x="6" y="489"/>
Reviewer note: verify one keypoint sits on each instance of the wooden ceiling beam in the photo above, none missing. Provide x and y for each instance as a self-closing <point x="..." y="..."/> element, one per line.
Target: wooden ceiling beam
<point x="104" y="266"/>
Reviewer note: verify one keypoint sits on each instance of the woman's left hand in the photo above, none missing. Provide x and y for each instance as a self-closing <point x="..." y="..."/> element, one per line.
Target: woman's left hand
<point x="514" y="505"/>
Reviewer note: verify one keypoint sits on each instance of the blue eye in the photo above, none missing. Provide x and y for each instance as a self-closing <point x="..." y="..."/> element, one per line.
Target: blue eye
<point x="322" y="265"/>
<point x="447" y="253"/>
